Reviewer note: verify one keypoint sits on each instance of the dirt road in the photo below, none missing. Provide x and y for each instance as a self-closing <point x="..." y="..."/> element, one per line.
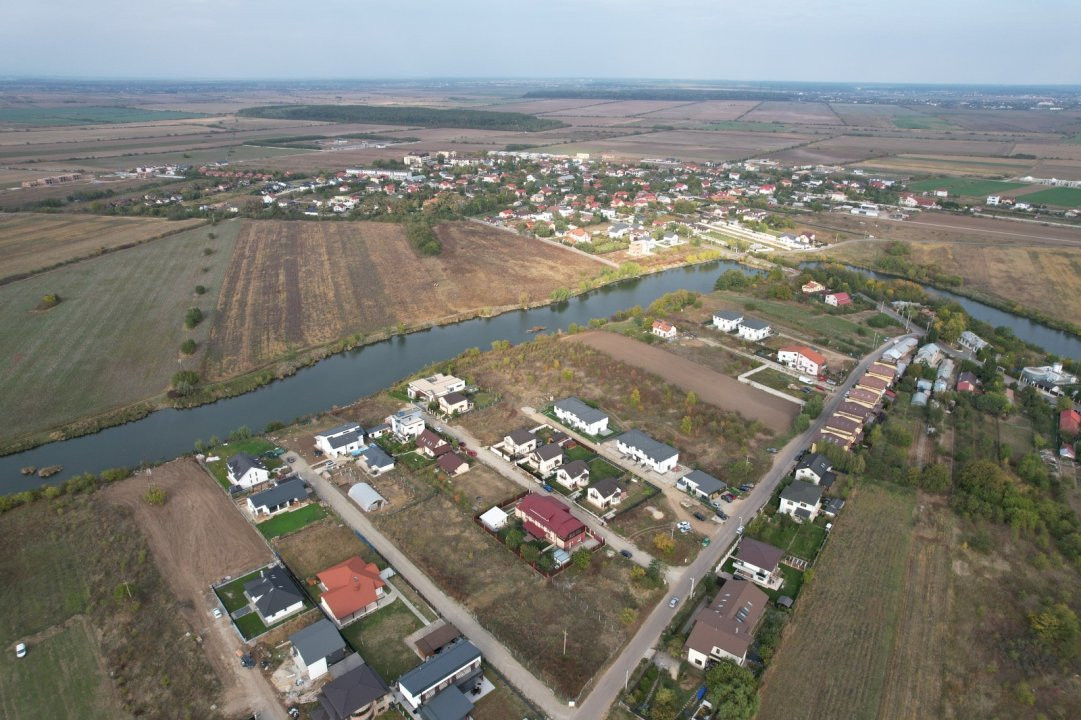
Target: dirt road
<point x="710" y="386"/>
<point x="197" y="538"/>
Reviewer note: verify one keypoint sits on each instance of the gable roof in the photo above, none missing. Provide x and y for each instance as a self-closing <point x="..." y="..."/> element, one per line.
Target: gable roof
<point x="754" y="324"/>
<point x="576" y="469"/>
<point x="800" y="491"/>
<point x="275" y="591"/>
<point x="705" y="482"/>
<point x="730" y="315"/>
<point x="760" y="554"/>
<point x="290" y="490"/>
<point x="817" y="463"/>
<point x="429" y="439"/>
<point x="449" y="462"/>
<point x="1069" y="421"/>
<point x="730" y="620"/>
<point x="580" y="410"/>
<point x="318" y="641"/>
<point x="815" y="357"/>
<point x="375" y="457"/>
<point x="453" y="398"/>
<point x="241" y="463"/>
<point x="549" y="451"/>
<point x="353" y="691"/>
<point x="449" y="704"/>
<point x="652" y="449"/>
<point x="607" y="487"/>
<point x="550" y="514"/>
<point x="351" y="586"/>
<point x="441" y="666"/>
<point x="521" y="437"/>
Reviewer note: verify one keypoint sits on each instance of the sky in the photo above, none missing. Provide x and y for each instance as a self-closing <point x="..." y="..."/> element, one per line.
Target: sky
<point x="915" y="41"/>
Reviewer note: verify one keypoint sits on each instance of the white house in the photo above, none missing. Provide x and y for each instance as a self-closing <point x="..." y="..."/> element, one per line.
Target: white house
<point x="375" y="460"/>
<point x="753" y="330"/>
<point x="655" y="455"/>
<point x="317" y="647"/>
<point x="341" y="440"/>
<point x="407" y="423"/>
<point x="274" y="595"/>
<point x="993" y="200"/>
<point x="445" y="672"/>
<point x="455" y="403"/>
<point x="971" y="341"/>
<point x="245" y="471"/>
<point x="664" y="330"/>
<point x="701" y="484"/>
<point x="605" y="493"/>
<point x="758" y="562"/>
<point x="573" y="475"/>
<point x="727" y="320"/>
<point x="815" y="468"/>
<point x="929" y="354"/>
<point x="494" y="519"/>
<point x="519" y="442"/>
<point x="546" y="459"/>
<point x="577" y="414"/>
<point x="839" y="299"/>
<point x="802" y="358"/>
<point x="278" y="499"/>
<point x="801" y="500"/>
<point x="434" y="387"/>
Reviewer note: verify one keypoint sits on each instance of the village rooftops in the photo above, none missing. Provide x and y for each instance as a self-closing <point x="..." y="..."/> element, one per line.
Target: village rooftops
<point x="652" y="449"/>
<point x="580" y="410"/>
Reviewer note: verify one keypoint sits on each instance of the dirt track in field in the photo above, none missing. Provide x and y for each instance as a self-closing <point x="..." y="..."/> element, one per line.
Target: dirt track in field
<point x="710" y="386"/>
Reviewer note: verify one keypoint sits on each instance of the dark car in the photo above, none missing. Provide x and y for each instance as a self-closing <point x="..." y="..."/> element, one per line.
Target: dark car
<point x="625" y="553"/>
<point x="720" y="513"/>
<point x="746" y="487"/>
<point x="728" y="497"/>
<point x="699" y="516"/>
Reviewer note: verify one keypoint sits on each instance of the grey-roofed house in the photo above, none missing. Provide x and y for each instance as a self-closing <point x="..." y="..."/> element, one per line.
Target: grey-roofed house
<point x="244" y="471"/>
<point x="274" y="595"/>
<point x="574" y="474"/>
<point x="519" y="442"/>
<point x="727" y="320"/>
<point x="801" y="500"/>
<point x="317" y="647"/>
<point x="359" y="693"/>
<point x="753" y="329"/>
<point x="341" y="440"/>
<point x="654" y="454"/>
<point x="813" y="468"/>
<point x="585" y="418"/>
<point x="605" y="493"/>
<point x="375" y="460"/>
<point x="450" y="704"/>
<point x="456" y="665"/>
<point x="455" y="403"/>
<point x="366" y="497"/>
<point x="758" y="562"/>
<point x="701" y="484"/>
<point x="278" y="498"/>
<point x="546" y="459"/>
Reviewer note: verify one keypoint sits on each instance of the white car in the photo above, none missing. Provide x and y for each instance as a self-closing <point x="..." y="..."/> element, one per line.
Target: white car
<point x="20" y="650"/>
<point x="216" y="612"/>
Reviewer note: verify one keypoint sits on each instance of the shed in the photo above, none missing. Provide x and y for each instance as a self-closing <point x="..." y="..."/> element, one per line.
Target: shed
<point x="494" y="519"/>
<point x="366" y="497"/>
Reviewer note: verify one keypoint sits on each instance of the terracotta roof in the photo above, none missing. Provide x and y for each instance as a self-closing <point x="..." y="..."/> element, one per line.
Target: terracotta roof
<point x="350" y="586"/>
<point x="815" y="357"/>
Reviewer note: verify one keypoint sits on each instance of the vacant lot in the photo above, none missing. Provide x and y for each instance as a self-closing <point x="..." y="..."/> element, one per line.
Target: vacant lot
<point x="319" y="546"/>
<point x="84" y="115"/>
<point x="836" y="654"/>
<point x="794" y="112"/>
<point x="115" y="337"/>
<point x="293" y="286"/>
<point x="30" y="242"/>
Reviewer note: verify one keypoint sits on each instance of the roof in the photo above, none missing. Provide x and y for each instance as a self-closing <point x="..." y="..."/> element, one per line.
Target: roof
<point x="754" y="324"/>
<point x="437" y="639"/>
<point x="450" y="462"/>
<point x="1069" y="421"/>
<point x="576" y="468"/>
<point x="863" y="396"/>
<point x="429" y="439"/>
<point x="318" y="641"/>
<point x="844" y="425"/>
<point x="873" y="382"/>
<point x="757" y="553"/>
<point x="732" y="315"/>
<point x="449" y="704"/>
<point x="375" y="457"/>
<point x="365" y="495"/>
<point x="439" y="667"/>
<point x="968" y="377"/>
<point x="294" y="489"/>
<point x="339" y="429"/>
<point x="817" y="463"/>
<point x="705" y="482"/>
<point x="354" y="690"/>
<point x="607" y="487"/>
<point x="662" y="326"/>
<point x="521" y="437"/>
<point x="350" y="586"/>
<point x="800" y="491"/>
<point x="275" y="591"/>
<point x="241" y="463"/>
<point x="815" y="357"/>
<point x="580" y="410"/>
<point x="841" y="297"/>
<point x="454" y="398"/>
<point x="493" y="516"/>
<point x="652" y="449"/>
<point x="730" y="620"/>
<point x="549" y="451"/>
<point x="550" y="514"/>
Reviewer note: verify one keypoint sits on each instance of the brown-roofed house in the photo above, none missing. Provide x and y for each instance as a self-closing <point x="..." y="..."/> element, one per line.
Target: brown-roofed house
<point x="864" y="397"/>
<point x="872" y="383"/>
<point x="724" y="629"/>
<point x="429" y="443"/>
<point x="430" y="644"/>
<point x="351" y="589"/>
<point x="452" y="463"/>
<point x="759" y="562"/>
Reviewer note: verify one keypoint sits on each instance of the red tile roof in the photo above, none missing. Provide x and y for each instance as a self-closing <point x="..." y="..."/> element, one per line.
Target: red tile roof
<point x="548" y="513"/>
<point x="350" y="586"/>
<point x="815" y="357"/>
<point x="1069" y="421"/>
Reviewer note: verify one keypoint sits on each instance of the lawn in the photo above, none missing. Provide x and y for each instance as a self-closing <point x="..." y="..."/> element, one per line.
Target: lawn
<point x="579" y="452"/>
<point x="600" y="468"/>
<point x="114" y="339"/>
<point x="232" y="594"/>
<point x="967" y="187"/>
<point x="922" y="122"/>
<point x="250" y="625"/>
<point x="414" y="460"/>
<point x="255" y="447"/>
<point x="807" y="541"/>
<point x="1060" y="196"/>
<point x="379" y="638"/>
<point x="289" y="522"/>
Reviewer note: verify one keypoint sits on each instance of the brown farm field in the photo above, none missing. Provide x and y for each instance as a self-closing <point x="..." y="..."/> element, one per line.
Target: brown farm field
<point x="30" y="242"/>
<point x="293" y="286"/>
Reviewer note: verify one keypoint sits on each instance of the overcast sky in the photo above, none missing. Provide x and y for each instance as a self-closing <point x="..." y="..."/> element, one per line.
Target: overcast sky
<point x="963" y="41"/>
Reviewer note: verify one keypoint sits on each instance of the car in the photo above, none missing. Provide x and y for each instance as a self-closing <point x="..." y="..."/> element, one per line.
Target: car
<point x="720" y="513"/>
<point x="318" y="453"/>
<point x="699" y="516"/>
<point x="291" y="459"/>
<point x="674" y="601"/>
<point x="216" y="612"/>
<point x="330" y="464"/>
<point x="548" y="488"/>
<point x="728" y="497"/>
<point x="746" y="487"/>
<point x="625" y="553"/>
<point x="705" y="542"/>
<point x="20" y="650"/>
<point x="771" y="450"/>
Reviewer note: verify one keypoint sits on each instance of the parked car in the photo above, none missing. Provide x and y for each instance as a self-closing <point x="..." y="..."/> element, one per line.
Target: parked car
<point x="291" y="459"/>
<point x="699" y="516"/>
<point x="625" y="553"/>
<point x="771" y="450"/>
<point x="20" y="650"/>
<point x="720" y="513"/>
<point x="216" y="612"/>
<point x="746" y="487"/>
<point x="728" y="497"/>
<point x="674" y="601"/>
<point x="318" y="453"/>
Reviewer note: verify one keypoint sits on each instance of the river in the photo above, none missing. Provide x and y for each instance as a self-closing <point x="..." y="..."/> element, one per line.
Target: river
<point x="337" y="380"/>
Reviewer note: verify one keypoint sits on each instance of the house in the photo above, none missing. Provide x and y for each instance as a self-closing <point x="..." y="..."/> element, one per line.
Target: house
<point x="815" y="468"/>
<point x="1067" y="452"/>
<point x="993" y="200"/>
<point x="406" y="424"/>
<point x="574" y="474"/>
<point x="929" y="354"/>
<point x="753" y="330"/>
<point x="452" y="464"/>
<point x="431" y="444"/>
<point x="664" y="330"/>
<point x="455" y="403"/>
<point x="802" y="358"/>
<point x="813" y="287"/>
<point x="971" y="341"/>
<point x="359" y="694"/>
<point x="434" y="387"/>
<point x="605" y="493"/>
<point x="967" y="382"/>
<point x="576" y="236"/>
<point x="577" y="414"/>
<point x="837" y="299"/>
<point x="801" y="500"/>
<point x="866" y="398"/>
<point x="855" y="411"/>
<point x="548" y="519"/>
<point x="1069" y="423"/>
<point x="546" y="459"/>
<point x="375" y="460"/>
<point x="317" y="647"/>
<point x="457" y="665"/>
<point x="884" y="371"/>
<point x="701" y="484"/>
<point x="274" y="595"/>
<point x="727" y="320"/>
<point x="724" y="629"/>
<point x="1047" y="378"/>
<point x="848" y="430"/>
<point x="341" y="440"/>
<point x="656" y="455"/>
<point x="434" y="642"/>
<point x="278" y="498"/>
<point x="366" y="497"/>
<point x="872" y="383"/>
<point x="494" y="519"/>
<point x="832" y="506"/>
<point x="245" y="471"/>
<point x="351" y="590"/>
<point x="519" y="442"/>
<point x="758" y="562"/>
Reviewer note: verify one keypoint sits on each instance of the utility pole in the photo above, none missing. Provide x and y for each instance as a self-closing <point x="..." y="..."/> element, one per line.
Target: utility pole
<point x="564" y="642"/>
<point x="692" y="585"/>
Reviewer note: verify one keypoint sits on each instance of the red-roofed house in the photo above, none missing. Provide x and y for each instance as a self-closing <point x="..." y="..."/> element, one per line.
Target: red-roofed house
<point x="576" y="236"/>
<point x="1069" y="423"/>
<point x="664" y="329"/>
<point x="838" y="299"/>
<point x="351" y="590"/>
<point x="548" y="519"/>
<point x="802" y="358"/>
<point x="813" y="286"/>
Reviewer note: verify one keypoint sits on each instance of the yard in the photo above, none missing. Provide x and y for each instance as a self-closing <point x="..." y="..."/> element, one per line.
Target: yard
<point x="320" y="545"/>
<point x="232" y="593"/>
<point x="289" y="522"/>
<point x="255" y="446"/>
<point x="652" y="518"/>
<point x="800" y="539"/>
<point x="380" y="640"/>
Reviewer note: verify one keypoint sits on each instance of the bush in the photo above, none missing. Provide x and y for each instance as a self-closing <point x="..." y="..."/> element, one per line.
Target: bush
<point x="48" y="301"/>
<point x="422" y="237"/>
<point x="200" y="289"/>
<point x="193" y="317"/>
<point x="188" y="346"/>
<point x="155" y="496"/>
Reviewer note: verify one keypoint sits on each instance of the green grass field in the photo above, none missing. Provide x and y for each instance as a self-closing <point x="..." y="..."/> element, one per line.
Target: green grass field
<point x="1060" y="196"/>
<point x="922" y="122"/>
<point x="115" y="337"/>
<point x="966" y="187"/>
<point x="379" y="640"/>
<point x="747" y="126"/>
<point x="288" y="522"/>
<point x="599" y="469"/>
<point x="87" y="115"/>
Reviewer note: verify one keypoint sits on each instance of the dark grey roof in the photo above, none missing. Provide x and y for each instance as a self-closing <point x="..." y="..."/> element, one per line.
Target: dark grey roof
<point x="817" y="463"/>
<point x="321" y="640"/>
<point x="828" y="479"/>
<point x="833" y="505"/>
<point x="374" y="456"/>
<point x="802" y="492"/>
<point x="549" y="451"/>
<point x="706" y="483"/>
<point x="275" y="591"/>
<point x="653" y="449"/>
<point x="607" y="487"/>
<point x="443" y="665"/>
<point x="576" y="468"/>
<point x="451" y="704"/>
<point x="293" y="489"/>
<point x="580" y="410"/>
<point x="754" y="324"/>
<point x="757" y="553"/>
<point x="353" y="691"/>
<point x="345" y="438"/>
<point x="521" y="437"/>
<point x="242" y="463"/>
<point x="454" y="398"/>
<point x="728" y="315"/>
